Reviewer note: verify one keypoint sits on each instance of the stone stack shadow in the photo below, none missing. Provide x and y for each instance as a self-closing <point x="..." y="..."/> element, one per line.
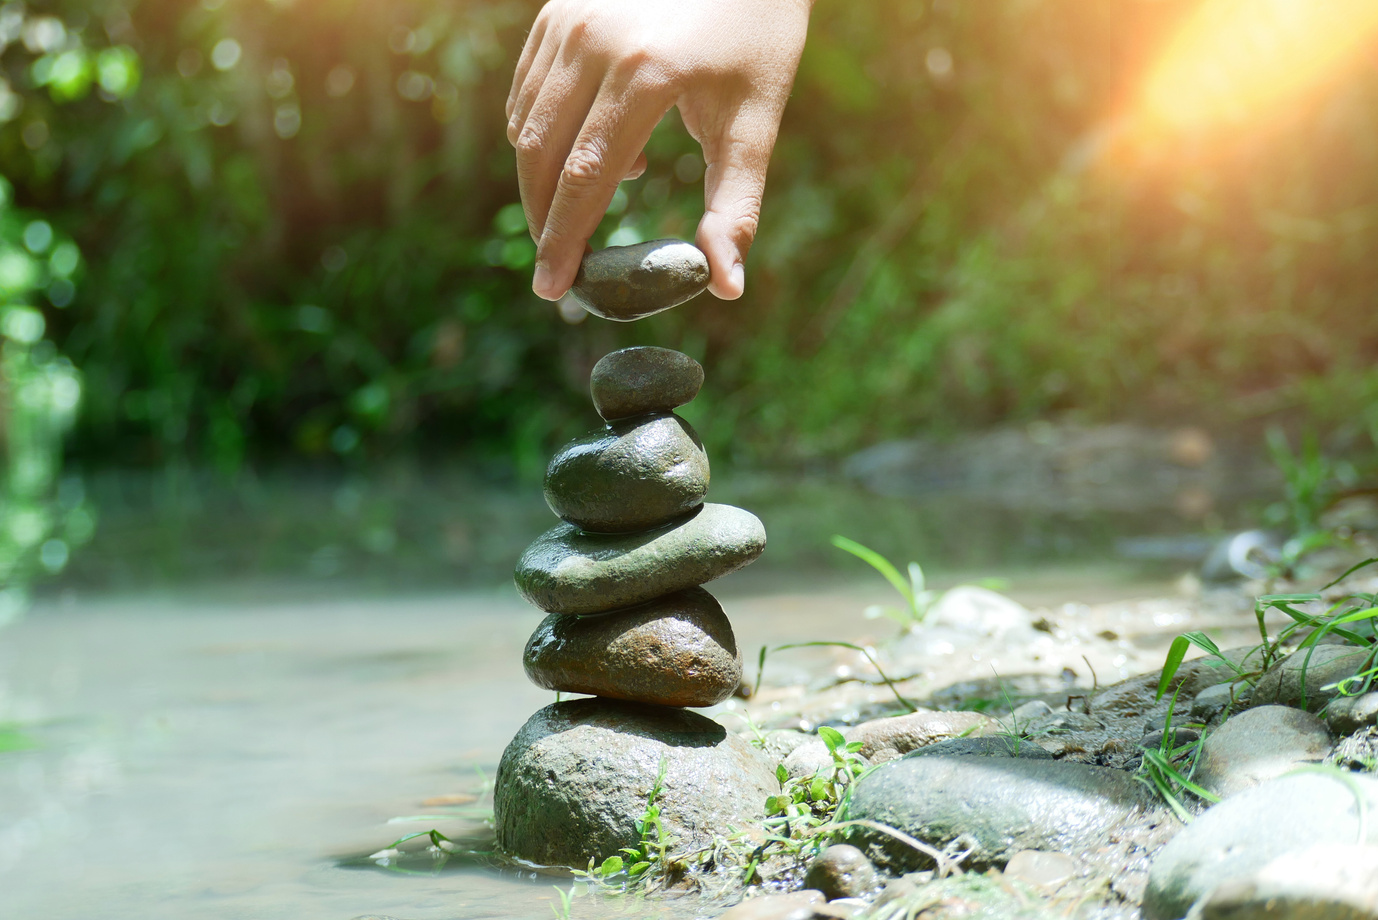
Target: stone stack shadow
<point x="629" y="624"/>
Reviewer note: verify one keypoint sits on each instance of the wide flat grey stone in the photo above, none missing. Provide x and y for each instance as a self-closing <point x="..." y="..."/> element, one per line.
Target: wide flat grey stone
<point x="989" y="745"/>
<point x="1241" y="835"/>
<point x="568" y="571"/>
<point x="573" y="782"/>
<point x="676" y="650"/>
<point x="1000" y="805"/>
<point x="629" y="476"/>
<point x="626" y="283"/>
<point x="635" y="381"/>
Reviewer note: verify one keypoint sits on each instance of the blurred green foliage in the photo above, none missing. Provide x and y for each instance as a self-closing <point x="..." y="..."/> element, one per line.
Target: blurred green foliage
<point x="299" y="232"/>
<point x="40" y="519"/>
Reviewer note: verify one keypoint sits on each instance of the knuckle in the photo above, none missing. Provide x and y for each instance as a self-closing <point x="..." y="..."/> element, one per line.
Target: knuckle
<point x="746" y="218"/>
<point x="645" y="68"/>
<point x="553" y="236"/>
<point x="584" y="167"/>
<point x="530" y="140"/>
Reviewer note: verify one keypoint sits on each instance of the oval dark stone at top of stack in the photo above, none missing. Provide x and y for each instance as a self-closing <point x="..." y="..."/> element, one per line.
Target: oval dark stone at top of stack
<point x="677" y="650"/>
<point x="633" y="475"/>
<point x="644" y="379"/>
<point x="626" y="283"/>
<point x="568" y="571"/>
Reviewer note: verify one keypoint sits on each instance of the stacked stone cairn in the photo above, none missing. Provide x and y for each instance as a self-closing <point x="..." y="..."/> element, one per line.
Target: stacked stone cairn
<point x="628" y="621"/>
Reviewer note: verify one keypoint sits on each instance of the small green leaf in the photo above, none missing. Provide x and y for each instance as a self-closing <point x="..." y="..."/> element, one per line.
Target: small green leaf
<point x="611" y="866"/>
<point x="854" y="746"/>
<point x="1175" y="653"/>
<point x="831" y="737"/>
<point x="818" y="789"/>
<point x="781" y="774"/>
<point x="638" y="868"/>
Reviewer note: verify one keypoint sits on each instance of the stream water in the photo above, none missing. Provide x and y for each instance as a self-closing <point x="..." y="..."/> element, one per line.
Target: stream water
<point x="227" y="703"/>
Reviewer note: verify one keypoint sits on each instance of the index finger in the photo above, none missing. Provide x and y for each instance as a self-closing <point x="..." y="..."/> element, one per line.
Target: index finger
<point x="618" y="126"/>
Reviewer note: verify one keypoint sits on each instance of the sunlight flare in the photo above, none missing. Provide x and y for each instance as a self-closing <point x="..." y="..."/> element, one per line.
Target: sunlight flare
<point x="1235" y="60"/>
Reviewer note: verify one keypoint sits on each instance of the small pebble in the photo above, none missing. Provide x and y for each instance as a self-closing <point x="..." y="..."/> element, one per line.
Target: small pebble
<point x="1041" y="868"/>
<point x="637" y="381"/>
<point x="1347" y="714"/>
<point x="889" y="738"/>
<point x="841" y="871"/>
<point x="1257" y="745"/>
<point x="1033" y="709"/>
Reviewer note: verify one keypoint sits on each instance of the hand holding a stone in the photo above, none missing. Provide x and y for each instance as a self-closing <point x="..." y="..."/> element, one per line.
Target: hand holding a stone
<point x="595" y="78"/>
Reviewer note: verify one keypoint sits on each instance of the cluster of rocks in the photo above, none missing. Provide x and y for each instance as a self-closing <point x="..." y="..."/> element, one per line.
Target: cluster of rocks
<point x="628" y="621"/>
<point x="1049" y="799"/>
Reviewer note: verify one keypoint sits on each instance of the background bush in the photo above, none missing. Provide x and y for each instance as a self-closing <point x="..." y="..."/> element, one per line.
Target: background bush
<point x="298" y="234"/>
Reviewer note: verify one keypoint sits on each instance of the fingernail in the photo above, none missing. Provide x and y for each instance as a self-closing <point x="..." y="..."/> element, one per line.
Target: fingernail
<point x="739" y="277"/>
<point x="541" y="281"/>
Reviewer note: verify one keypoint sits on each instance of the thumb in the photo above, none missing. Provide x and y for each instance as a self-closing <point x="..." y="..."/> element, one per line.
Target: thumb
<point x="734" y="180"/>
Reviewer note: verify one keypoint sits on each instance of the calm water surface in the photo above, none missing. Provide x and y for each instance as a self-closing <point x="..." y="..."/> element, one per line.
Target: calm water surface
<point x="228" y="702"/>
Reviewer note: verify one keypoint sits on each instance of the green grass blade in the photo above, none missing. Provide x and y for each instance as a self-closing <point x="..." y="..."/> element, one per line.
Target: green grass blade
<point x="878" y="562"/>
<point x="1272" y="600"/>
<point x="1351" y="570"/>
<point x="1175" y="653"/>
<point x="856" y="648"/>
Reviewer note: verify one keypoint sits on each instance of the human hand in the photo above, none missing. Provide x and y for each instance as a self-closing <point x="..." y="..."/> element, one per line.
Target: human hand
<point x="595" y="78"/>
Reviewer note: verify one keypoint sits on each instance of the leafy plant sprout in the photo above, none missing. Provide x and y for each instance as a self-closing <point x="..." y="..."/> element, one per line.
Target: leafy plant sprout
<point x="635" y="862"/>
<point x="566" y="898"/>
<point x="442" y="848"/>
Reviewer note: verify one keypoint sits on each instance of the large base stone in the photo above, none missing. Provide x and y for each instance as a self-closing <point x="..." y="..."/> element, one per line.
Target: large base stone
<point x="572" y="783"/>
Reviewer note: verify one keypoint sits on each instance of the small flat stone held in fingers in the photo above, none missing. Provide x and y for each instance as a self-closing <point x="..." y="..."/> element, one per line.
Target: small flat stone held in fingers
<point x="625" y="283"/>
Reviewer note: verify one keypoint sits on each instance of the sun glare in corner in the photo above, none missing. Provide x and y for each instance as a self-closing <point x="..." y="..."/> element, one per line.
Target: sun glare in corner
<point x="1235" y="60"/>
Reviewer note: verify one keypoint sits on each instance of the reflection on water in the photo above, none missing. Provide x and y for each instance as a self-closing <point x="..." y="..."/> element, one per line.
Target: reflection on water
<point x="410" y="527"/>
<point x="235" y="691"/>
